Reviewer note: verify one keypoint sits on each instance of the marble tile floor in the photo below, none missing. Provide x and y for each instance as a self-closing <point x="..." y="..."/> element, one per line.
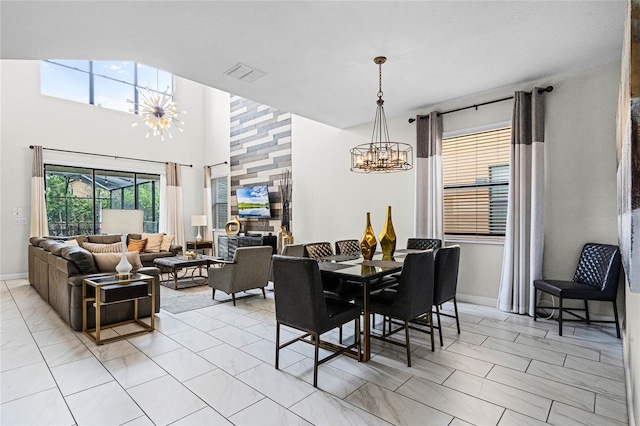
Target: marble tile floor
<point x="214" y="366"/>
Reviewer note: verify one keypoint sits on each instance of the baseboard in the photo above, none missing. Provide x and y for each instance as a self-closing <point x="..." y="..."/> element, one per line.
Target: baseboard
<point x="20" y="276"/>
<point x="478" y="300"/>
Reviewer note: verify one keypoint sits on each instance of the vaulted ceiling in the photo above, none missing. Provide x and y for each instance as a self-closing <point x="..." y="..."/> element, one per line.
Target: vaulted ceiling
<point x="317" y="56"/>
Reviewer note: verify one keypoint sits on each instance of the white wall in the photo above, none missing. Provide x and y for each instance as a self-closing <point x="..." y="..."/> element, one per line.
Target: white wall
<point x="330" y="202"/>
<point x="28" y="118"/>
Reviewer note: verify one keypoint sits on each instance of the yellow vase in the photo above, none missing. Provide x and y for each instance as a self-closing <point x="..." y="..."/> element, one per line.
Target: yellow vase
<point x="368" y="242"/>
<point x="388" y="237"/>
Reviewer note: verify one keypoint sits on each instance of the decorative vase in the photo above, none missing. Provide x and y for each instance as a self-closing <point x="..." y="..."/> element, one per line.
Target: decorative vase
<point x="233" y="227"/>
<point x="287" y="239"/>
<point x="124" y="267"/>
<point x="368" y="242"/>
<point x="281" y="233"/>
<point x="388" y="237"/>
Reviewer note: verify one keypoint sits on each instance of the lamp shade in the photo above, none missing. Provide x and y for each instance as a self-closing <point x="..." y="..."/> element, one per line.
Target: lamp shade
<point x="199" y="220"/>
<point x="122" y="221"/>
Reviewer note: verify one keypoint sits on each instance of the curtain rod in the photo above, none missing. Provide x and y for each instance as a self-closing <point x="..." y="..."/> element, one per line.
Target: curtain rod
<point x="217" y="164"/>
<point x="540" y="91"/>
<point x="117" y="157"/>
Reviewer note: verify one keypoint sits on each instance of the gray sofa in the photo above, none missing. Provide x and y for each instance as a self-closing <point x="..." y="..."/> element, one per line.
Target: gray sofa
<point x="56" y="271"/>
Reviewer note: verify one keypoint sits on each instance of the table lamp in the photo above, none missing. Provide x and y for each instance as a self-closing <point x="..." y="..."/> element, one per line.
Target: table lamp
<point x="199" y="220"/>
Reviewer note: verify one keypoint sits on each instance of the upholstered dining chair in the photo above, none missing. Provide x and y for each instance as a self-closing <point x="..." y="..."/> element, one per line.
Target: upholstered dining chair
<point x="295" y="250"/>
<point x="447" y="261"/>
<point x="596" y="278"/>
<point x="301" y="304"/>
<point x="423" y="243"/>
<point x="348" y="247"/>
<point x="412" y="298"/>
<point x="317" y="251"/>
<point x="249" y="269"/>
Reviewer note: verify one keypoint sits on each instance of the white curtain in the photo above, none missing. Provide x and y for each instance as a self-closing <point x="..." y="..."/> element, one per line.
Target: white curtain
<point x="173" y="204"/>
<point x="523" y="246"/>
<point x="429" y="183"/>
<point x="206" y="199"/>
<point x="39" y="223"/>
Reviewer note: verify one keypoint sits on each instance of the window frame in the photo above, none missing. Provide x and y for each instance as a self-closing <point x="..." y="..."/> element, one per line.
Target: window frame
<point x="478" y="238"/>
<point x="92" y="172"/>
<point x="92" y="73"/>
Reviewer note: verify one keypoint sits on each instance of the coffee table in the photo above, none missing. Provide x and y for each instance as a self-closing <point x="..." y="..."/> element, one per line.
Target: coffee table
<point x="173" y="265"/>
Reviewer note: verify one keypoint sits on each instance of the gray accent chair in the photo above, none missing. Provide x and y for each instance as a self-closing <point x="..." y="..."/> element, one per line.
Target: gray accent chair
<point x="249" y="269"/>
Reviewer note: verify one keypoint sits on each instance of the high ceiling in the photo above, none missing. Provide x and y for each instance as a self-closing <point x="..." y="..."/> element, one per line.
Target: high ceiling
<point x="318" y="55"/>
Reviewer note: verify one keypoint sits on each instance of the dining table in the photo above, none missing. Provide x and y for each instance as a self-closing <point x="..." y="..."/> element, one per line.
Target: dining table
<point x="353" y="268"/>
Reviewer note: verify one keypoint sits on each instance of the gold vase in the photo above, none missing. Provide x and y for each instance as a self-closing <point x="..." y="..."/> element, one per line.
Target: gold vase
<point x="368" y="242"/>
<point x="388" y="237"/>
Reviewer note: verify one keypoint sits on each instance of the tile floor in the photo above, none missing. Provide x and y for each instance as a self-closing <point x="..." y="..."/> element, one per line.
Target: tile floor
<point x="214" y="366"/>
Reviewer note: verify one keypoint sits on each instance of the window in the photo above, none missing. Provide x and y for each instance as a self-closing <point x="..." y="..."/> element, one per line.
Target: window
<point x="476" y="183"/>
<point x="75" y="197"/>
<point x="104" y="83"/>
<point x="220" y="200"/>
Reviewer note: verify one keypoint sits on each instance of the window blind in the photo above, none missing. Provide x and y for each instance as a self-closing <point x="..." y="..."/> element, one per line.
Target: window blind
<point x="220" y="199"/>
<point x="476" y="182"/>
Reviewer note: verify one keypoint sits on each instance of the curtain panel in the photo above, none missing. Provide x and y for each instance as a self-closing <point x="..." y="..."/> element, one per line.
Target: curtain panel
<point x="524" y="239"/>
<point x="174" y="205"/>
<point x="39" y="223"/>
<point x="207" y="203"/>
<point x="429" y="182"/>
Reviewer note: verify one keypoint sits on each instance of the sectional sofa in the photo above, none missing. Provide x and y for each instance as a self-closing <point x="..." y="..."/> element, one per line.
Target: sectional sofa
<point x="56" y="271"/>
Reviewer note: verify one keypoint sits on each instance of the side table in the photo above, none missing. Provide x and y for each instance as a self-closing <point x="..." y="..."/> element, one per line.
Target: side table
<point x="113" y="289"/>
<point x="200" y="245"/>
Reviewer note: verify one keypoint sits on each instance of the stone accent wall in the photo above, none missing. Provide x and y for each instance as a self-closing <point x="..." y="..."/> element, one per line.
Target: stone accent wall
<point x="260" y="151"/>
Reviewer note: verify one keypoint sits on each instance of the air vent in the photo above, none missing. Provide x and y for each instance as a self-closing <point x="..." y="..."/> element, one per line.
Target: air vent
<point x="244" y="73"/>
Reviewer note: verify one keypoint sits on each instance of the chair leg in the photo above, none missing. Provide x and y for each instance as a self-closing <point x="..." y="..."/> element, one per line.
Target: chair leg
<point x="358" y="339"/>
<point x="560" y="318"/>
<point x="615" y="314"/>
<point x="535" y="304"/>
<point x="340" y="335"/>
<point x="440" y="325"/>
<point x="277" y="345"/>
<point x="233" y="296"/>
<point x="373" y="321"/>
<point x="431" y="330"/>
<point x="264" y="294"/>
<point x="315" y="360"/>
<point x="455" y="308"/>
<point x="406" y="333"/>
<point x="213" y="294"/>
<point x="586" y="312"/>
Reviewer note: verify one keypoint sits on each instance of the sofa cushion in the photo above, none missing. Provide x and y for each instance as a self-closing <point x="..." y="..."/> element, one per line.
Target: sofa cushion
<point x="35" y="241"/>
<point x="81" y="258"/>
<point x="153" y="242"/>
<point x="104" y="239"/>
<point x="137" y="245"/>
<point x="57" y="247"/>
<point x="166" y="242"/>
<point x="48" y="244"/>
<point x="103" y="248"/>
<point x="107" y="262"/>
<point x="72" y="242"/>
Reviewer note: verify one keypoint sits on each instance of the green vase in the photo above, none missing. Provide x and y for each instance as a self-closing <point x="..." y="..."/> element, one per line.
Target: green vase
<point x="368" y="242"/>
<point x="388" y="237"/>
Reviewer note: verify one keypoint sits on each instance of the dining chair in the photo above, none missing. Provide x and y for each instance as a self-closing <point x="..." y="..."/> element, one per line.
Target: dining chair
<point x="301" y="304"/>
<point x="412" y="298"/>
<point x="295" y="250"/>
<point x="423" y="243"/>
<point x="596" y="278"/>
<point x="348" y="247"/>
<point x="318" y="250"/>
<point x="447" y="262"/>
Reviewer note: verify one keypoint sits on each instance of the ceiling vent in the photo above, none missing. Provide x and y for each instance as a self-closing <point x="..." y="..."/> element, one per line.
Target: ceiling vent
<point x="244" y="73"/>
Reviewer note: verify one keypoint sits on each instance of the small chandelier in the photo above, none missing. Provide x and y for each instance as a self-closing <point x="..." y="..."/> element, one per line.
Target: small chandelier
<point x="381" y="155"/>
<point x="158" y="112"/>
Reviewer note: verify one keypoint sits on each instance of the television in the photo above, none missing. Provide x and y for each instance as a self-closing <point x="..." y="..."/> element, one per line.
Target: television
<point x="253" y="202"/>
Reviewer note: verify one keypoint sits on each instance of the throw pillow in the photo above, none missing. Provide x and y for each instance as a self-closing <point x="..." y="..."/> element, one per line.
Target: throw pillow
<point x="137" y="245"/>
<point x="107" y="262"/>
<point x="72" y="242"/>
<point x="153" y="242"/>
<point x="103" y="248"/>
<point x="166" y="242"/>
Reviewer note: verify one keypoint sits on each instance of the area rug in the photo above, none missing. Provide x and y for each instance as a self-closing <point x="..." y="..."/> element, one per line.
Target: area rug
<point x="187" y="299"/>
